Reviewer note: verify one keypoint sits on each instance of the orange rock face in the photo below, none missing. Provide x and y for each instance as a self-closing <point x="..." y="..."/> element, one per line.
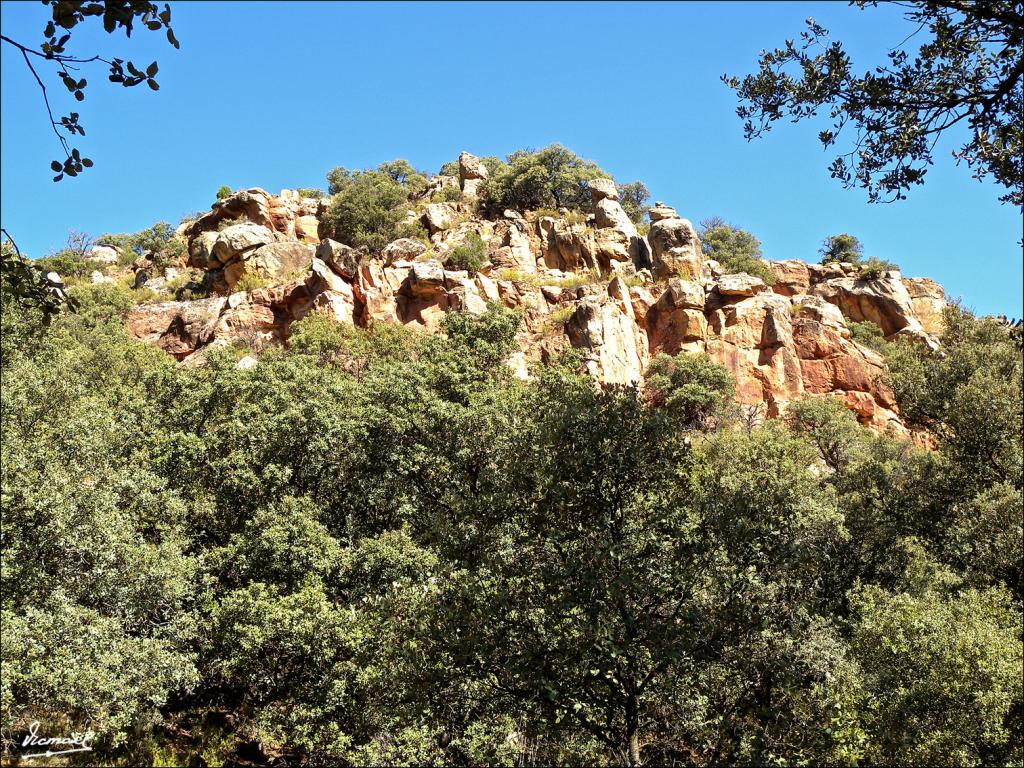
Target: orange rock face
<point x="780" y="343"/>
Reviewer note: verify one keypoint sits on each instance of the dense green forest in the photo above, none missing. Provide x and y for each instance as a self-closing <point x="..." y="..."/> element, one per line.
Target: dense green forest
<point x="379" y="547"/>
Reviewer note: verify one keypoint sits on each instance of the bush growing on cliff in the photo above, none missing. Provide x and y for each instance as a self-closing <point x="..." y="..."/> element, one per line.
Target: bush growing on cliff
<point x="867" y="333"/>
<point x="470" y="255"/>
<point x="553" y="177"/>
<point x="698" y="391"/>
<point x="369" y="209"/>
<point x="874" y="267"/>
<point x="848" y="249"/>
<point x="735" y="249"/>
<point x="838" y="248"/>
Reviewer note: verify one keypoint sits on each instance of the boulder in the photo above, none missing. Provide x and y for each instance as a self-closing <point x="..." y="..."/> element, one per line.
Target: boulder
<point x="520" y="250"/>
<point x="438" y="217"/>
<point x="341" y="258"/>
<point x="307" y="229"/>
<point x="675" y="249"/>
<point x="464" y="295"/>
<point x="338" y="302"/>
<point x="753" y="339"/>
<point x="684" y="294"/>
<point x="403" y="249"/>
<point x="200" y="249"/>
<point x="97" y="278"/>
<point x="104" y="254"/>
<point x="740" y="284"/>
<point x="676" y="321"/>
<point x="567" y="247"/>
<point x="426" y="279"/>
<point x="819" y="272"/>
<point x="236" y="241"/>
<point x="324" y="278"/>
<point x="609" y="214"/>
<point x="611" y="248"/>
<point x="280" y="261"/>
<point x="602" y="189"/>
<point x="375" y="292"/>
<point x="472" y="172"/>
<point x="471" y="167"/>
<point x="177" y="327"/>
<point x="659" y="211"/>
<point x="618" y="289"/>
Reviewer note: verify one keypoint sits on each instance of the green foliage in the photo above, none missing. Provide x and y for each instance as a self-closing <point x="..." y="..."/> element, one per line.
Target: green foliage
<point x="634" y="197"/>
<point x="23" y="286"/>
<point x="447" y="195"/>
<point x="317" y="335"/>
<point x="369" y="209"/>
<point x="848" y="249"/>
<point x="874" y="267"/>
<point x="696" y="390"/>
<point x="868" y="334"/>
<point x="328" y="341"/>
<point x="314" y="192"/>
<point x="379" y="546"/>
<point x="943" y="669"/>
<point x="470" y="255"/>
<point x="250" y="281"/>
<point x="838" y="248"/>
<point x="67" y="264"/>
<point x="735" y="249"/>
<point x="553" y="177"/>
<point x="966" y="68"/>
<point x="157" y="243"/>
<point x="968" y="393"/>
<point x="491" y="163"/>
<point x="489" y="337"/>
<point x="224" y="192"/>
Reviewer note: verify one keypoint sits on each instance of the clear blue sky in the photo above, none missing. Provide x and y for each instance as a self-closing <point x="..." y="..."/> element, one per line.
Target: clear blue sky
<point x="273" y="95"/>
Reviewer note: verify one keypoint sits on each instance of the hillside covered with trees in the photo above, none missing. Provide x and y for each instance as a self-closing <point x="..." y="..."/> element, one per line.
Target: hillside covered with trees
<point x="373" y="475"/>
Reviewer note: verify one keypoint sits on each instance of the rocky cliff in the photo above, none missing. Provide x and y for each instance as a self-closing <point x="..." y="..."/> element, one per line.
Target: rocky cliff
<point x="592" y="282"/>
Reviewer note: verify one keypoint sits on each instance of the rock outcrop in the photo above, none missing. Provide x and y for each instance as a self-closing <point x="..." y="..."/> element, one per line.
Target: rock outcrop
<point x="675" y="246"/>
<point x="592" y="283"/>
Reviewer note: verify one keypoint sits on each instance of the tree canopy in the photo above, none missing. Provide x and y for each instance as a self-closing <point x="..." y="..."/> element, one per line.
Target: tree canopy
<point x="963" y="83"/>
<point x="379" y="546"/>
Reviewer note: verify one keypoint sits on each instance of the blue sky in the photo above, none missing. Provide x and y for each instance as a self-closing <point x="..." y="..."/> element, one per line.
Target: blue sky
<point x="274" y="95"/>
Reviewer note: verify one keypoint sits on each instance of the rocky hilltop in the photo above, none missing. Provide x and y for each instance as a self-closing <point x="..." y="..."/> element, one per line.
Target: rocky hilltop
<point x="588" y="281"/>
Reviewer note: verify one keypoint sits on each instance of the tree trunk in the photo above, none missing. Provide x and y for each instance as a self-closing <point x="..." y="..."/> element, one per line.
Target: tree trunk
<point x="632" y="733"/>
<point x="634" y="749"/>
